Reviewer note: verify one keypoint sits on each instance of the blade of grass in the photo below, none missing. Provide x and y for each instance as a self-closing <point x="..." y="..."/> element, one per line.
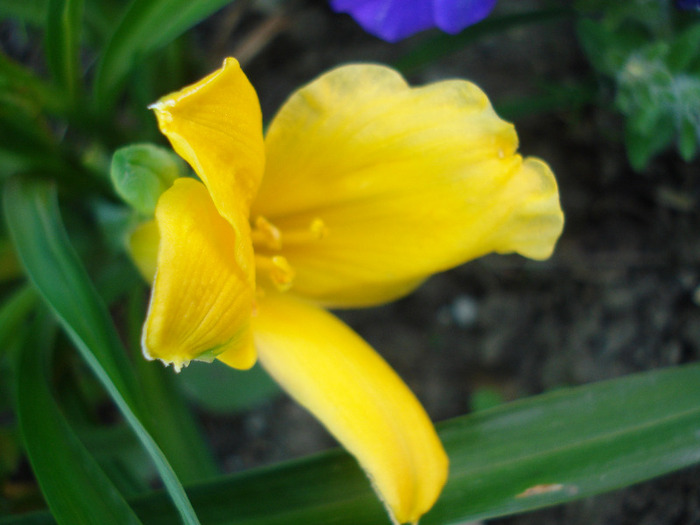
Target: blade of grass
<point x="74" y="486"/>
<point x="33" y="218"/>
<point x="517" y="457"/>
<point x="146" y="26"/>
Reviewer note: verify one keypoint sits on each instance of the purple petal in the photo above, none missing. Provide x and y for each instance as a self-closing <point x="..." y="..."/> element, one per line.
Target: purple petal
<point x="454" y="15"/>
<point x="390" y="20"/>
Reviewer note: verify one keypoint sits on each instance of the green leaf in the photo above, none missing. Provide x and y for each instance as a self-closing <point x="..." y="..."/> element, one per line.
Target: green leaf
<point x="545" y="450"/>
<point x="570" y="444"/>
<point x="33" y="218"/>
<point x="146" y="26"/>
<point x="63" y="26"/>
<point x="13" y="314"/>
<point x="142" y="172"/>
<point x="74" y="486"/>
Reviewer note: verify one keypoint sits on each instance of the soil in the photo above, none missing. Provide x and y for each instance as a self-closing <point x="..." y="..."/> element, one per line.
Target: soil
<point x="620" y="295"/>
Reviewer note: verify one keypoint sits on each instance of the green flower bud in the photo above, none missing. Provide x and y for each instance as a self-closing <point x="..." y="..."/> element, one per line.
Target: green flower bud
<point x="140" y="173"/>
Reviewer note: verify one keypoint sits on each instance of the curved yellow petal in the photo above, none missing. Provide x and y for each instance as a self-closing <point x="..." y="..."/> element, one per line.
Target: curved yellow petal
<point x="407" y="182"/>
<point x="202" y="299"/>
<point x="143" y="248"/>
<point x="332" y="372"/>
<point x="216" y="126"/>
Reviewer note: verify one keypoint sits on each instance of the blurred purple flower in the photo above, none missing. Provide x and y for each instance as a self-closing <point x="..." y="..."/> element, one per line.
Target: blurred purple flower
<point x="689" y="4"/>
<point x="393" y="20"/>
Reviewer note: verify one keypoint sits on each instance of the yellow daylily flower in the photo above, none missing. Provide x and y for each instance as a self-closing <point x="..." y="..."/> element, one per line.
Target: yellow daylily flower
<point x="362" y="188"/>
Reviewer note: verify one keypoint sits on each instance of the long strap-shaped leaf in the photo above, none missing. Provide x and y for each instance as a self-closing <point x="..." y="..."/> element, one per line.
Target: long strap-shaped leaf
<point x="62" y="44"/>
<point x="75" y="487"/>
<point x="540" y="451"/>
<point x="34" y="221"/>
<point x="146" y="26"/>
<point x="13" y="313"/>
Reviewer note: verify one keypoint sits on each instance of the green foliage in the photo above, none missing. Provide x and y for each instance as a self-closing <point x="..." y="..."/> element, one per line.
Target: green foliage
<point x="652" y="58"/>
<point x="56" y="272"/>
<point x="90" y="497"/>
<point x="520" y="456"/>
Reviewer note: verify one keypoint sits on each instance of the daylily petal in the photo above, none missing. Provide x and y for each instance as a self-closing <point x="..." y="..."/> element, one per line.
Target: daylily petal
<point x="202" y="299"/>
<point x="332" y="372"/>
<point x="216" y="126"/>
<point x="143" y="249"/>
<point x="407" y="182"/>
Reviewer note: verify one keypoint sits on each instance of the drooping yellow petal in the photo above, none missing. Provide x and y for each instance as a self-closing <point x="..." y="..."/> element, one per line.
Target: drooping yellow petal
<point x="216" y="126"/>
<point x="143" y="248"/>
<point x="407" y="182"/>
<point x="332" y="372"/>
<point x="202" y="299"/>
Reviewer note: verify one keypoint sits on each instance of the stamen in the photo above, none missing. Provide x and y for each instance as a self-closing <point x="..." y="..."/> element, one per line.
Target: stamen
<point x="316" y="231"/>
<point x="266" y="234"/>
<point x="277" y="269"/>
